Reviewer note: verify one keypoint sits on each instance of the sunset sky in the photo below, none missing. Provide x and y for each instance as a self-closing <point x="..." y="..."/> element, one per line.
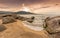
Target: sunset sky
<point x="36" y="6"/>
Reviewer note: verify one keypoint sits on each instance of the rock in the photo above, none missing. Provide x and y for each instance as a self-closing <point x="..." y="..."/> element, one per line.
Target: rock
<point x="21" y="18"/>
<point x="6" y="15"/>
<point x="56" y="35"/>
<point x="2" y="28"/>
<point x="6" y="20"/>
<point x="30" y="20"/>
<point x="52" y="25"/>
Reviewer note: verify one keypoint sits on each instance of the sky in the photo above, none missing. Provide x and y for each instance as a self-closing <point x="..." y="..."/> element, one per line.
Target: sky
<point x="37" y="6"/>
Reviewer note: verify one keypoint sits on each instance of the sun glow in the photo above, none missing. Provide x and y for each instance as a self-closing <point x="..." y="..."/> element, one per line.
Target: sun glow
<point x="25" y="8"/>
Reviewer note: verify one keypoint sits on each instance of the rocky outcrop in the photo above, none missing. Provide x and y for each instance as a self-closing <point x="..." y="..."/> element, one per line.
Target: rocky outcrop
<point x="52" y="26"/>
<point x="6" y="20"/>
<point x="9" y="18"/>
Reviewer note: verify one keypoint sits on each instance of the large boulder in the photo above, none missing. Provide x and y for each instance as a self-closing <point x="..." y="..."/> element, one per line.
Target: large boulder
<point x="6" y="20"/>
<point x="52" y="25"/>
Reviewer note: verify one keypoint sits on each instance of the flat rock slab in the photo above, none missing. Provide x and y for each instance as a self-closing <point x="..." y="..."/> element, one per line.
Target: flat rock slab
<point x="18" y="30"/>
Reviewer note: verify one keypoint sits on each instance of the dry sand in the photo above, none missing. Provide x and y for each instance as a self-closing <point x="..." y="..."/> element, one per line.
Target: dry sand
<point x="18" y="30"/>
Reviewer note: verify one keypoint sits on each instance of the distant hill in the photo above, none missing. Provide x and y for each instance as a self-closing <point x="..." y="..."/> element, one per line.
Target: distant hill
<point x="23" y="12"/>
<point x="6" y="12"/>
<point x="19" y="12"/>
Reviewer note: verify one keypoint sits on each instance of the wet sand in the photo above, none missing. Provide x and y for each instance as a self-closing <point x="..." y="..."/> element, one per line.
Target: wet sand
<point x="18" y="30"/>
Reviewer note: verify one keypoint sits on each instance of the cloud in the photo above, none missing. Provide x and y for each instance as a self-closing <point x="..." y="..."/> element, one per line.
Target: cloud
<point x="17" y="4"/>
